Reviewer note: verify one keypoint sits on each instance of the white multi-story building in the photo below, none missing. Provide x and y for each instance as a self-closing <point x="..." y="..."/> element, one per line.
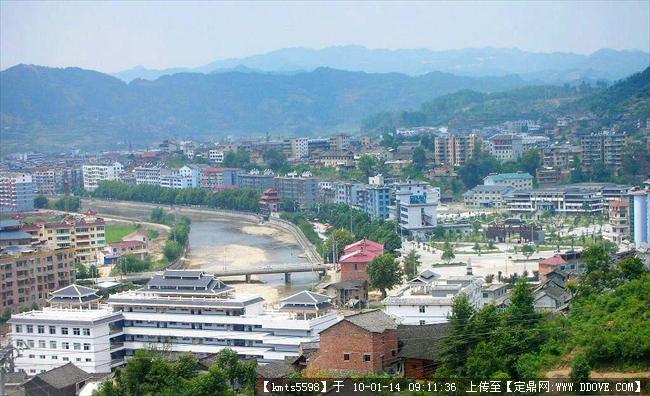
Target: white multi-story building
<point x="74" y="329"/>
<point x="149" y="176"/>
<point x="415" y="208"/>
<point x="176" y="181"/>
<point x="640" y="218"/>
<point x="428" y="298"/>
<point x="488" y="196"/>
<point x="16" y="192"/>
<point x="93" y="174"/>
<point x="216" y="156"/>
<point x="191" y="311"/>
<point x="193" y="172"/>
<point x="518" y="181"/>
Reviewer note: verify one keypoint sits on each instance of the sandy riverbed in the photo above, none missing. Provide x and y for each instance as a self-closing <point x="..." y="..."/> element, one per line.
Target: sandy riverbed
<point x="275" y="233"/>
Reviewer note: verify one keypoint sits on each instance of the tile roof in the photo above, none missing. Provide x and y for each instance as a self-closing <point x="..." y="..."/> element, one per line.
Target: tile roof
<point x="366" y="245"/>
<point x="375" y="321"/>
<point x="64" y="376"/>
<point x="74" y="291"/>
<point x="421" y="342"/>
<point x="305" y="297"/>
<point x="555" y="260"/>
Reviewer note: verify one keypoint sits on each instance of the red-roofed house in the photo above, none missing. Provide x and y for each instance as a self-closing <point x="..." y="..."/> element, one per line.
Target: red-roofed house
<point x="136" y="248"/>
<point x="355" y="259"/>
<point x="551" y="264"/>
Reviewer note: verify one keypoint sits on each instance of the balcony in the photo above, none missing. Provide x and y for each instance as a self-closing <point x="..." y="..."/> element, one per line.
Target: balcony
<point x="117" y="345"/>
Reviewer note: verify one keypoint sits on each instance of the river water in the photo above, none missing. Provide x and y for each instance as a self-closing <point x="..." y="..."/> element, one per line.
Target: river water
<point x="228" y="244"/>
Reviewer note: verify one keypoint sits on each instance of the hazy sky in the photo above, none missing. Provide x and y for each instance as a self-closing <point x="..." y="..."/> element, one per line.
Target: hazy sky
<point x="115" y="36"/>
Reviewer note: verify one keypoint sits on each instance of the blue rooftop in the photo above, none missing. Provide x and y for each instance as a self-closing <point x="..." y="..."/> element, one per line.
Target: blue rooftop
<point x="509" y="176"/>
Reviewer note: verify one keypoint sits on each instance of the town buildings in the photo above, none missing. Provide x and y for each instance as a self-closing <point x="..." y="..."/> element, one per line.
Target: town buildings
<point x="428" y="298"/>
<point x="85" y="234"/>
<point x="296" y="148"/>
<point x="193" y="173"/>
<point x="216" y="156"/>
<point x="487" y="196"/>
<point x="216" y="178"/>
<point x="640" y="217"/>
<point x="511" y="146"/>
<point x="518" y="181"/>
<point x="360" y="343"/>
<point x="415" y="207"/>
<point x="191" y="311"/>
<point x="356" y="257"/>
<point x="619" y="221"/>
<point x="300" y="189"/>
<point x="75" y="329"/>
<point x="254" y="180"/>
<point x="29" y="273"/>
<point x="270" y="202"/>
<point x="93" y="174"/>
<point x="16" y="192"/>
<point x="454" y="149"/>
<point x="149" y="176"/>
<point x="604" y="148"/>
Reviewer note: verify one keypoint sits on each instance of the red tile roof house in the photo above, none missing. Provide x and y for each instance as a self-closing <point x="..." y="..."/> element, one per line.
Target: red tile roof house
<point x="356" y="257"/>
<point x="361" y="343"/>
<point x="563" y="262"/>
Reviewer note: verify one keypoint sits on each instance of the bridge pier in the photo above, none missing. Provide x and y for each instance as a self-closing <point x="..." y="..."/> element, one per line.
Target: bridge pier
<point x="287" y="277"/>
<point x="248" y="278"/>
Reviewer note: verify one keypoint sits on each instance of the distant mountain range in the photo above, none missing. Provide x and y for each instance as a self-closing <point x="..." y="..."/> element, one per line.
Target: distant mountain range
<point x="551" y="68"/>
<point x="468" y="108"/>
<point x="53" y="108"/>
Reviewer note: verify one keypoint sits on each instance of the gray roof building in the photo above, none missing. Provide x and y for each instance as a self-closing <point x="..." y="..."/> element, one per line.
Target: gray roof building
<point x="375" y="321"/>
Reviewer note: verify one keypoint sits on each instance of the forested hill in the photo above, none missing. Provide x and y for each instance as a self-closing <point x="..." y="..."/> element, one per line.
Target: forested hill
<point x="469" y="108"/>
<point x="628" y="96"/>
<point x="49" y="107"/>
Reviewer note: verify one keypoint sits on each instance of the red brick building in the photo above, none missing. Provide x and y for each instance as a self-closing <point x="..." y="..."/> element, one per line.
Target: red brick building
<point x="355" y="259"/>
<point x="360" y="343"/>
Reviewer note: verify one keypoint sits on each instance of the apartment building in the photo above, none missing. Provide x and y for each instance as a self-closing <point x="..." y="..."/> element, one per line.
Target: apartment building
<point x="85" y="234"/>
<point x="301" y="189"/>
<point x="175" y="181"/>
<point x="50" y="181"/>
<point x="518" y="181"/>
<point x="346" y="193"/>
<point x="454" y="150"/>
<point x="336" y="159"/>
<point x="511" y="146"/>
<point x="415" y="207"/>
<point x="216" y="156"/>
<point x="28" y="274"/>
<point x="340" y="142"/>
<point x="150" y="176"/>
<point x="619" y="220"/>
<point x="296" y="148"/>
<point x="428" y="298"/>
<point x="193" y="173"/>
<point x="254" y="180"/>
<point x="191" y="311"/>
<point x="75" y="329"/>
<point x="16" y="192"/>
<point x="93" y="174"/>
<point x="216" y="178"/>
<point x="548" y="176"/>
<point x="487" y="196"/>
<point x="374" y="200"/>
<point x="605" y="147"/>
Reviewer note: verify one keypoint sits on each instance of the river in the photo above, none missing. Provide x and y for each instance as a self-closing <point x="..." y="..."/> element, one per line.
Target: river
<point x="231" y="244"/>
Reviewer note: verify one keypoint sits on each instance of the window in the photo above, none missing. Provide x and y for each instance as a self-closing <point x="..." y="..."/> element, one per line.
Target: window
<point x="86" y="332"/>
<point x="30" y="328"/>
<point x="65" y="358"/>
<point x="393" y="352"/>
<point x="32" y="356"/>
<point x="52" y="329"/>
<point x="366" y="357"/>
<point x="41" y="329"/>
<point x="41" y="356"/>
<point x="20" y="343"/>
<point x="422" y="308"/>
<point x="346" y="357"/>
<point x="86" y="347"/>
<point x="78" y="359"/>
<point x="64" y="330"/>
<point x="76" y="331"/>
<point x="65" y="345"/>
<point x="52" y="344"/>
<point x="30" y="343"/>
<point x="422" y="322"/>
<point x="89" y="360"/>
<point x="19" y="329"/>
<point x="41" y="343"/>
<point x="54" y="357"/>
<point x="77" y="346"/>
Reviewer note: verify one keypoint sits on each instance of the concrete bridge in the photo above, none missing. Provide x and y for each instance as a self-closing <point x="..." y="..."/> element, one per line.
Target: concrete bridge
<point x="286" y="269"/>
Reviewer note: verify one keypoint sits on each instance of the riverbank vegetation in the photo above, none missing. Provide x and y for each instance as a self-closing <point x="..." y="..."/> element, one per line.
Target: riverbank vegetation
<point x="67" y="203"/>
<point x="608" y="325"/>
<point x="150" y="372"/>
<point x="233" y="199"/>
